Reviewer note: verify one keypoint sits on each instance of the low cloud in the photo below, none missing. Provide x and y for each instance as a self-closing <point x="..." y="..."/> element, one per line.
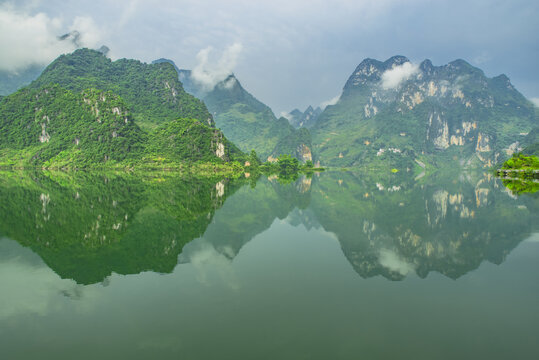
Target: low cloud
<point x="391" y="79"/>
<point x="286" y="115"/>
<point x="390" y="260"/>
<point x="90" y="34"/>
<point x="27" y="40"/>
<point x="535" y="101"/>
<point x="331" y="101"/>
<point x="208" y="74"/>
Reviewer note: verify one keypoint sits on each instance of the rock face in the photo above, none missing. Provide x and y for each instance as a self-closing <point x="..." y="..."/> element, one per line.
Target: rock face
<point x="425" y="110"/>
<point x="304" y="153"/>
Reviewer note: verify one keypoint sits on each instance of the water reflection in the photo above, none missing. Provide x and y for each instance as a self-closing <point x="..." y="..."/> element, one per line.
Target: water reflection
<point x="87" y="226"/>
<point x="448" y="226"/>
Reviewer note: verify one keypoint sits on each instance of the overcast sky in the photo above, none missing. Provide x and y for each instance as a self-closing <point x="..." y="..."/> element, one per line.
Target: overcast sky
<point x="287" y="53"/>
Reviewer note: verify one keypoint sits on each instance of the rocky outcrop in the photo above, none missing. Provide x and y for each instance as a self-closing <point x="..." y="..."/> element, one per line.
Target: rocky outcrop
<point x="428" y="110"/>
<point x="303" y="153"/>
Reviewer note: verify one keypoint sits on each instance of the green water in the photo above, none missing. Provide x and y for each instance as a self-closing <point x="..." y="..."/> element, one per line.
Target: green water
<point x="340" y="266"/>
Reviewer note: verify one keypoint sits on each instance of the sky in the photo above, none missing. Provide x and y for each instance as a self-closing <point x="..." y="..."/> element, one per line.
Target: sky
<point x="287" y="53"/>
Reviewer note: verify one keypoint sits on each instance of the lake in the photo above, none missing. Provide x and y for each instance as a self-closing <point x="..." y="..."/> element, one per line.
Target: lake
<point x="342" y="265"/>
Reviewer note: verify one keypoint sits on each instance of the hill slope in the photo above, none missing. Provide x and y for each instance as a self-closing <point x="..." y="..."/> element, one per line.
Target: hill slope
<point x="152" y="92"/>
<point x="246" y="121"/>
<point x="51" y="124"/>
<point x="394" y="112"/>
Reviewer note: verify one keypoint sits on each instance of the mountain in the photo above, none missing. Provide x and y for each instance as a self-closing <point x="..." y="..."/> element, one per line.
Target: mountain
<point x="246" y="121"/>
<point x="152" y="91"/>
<point x="85" y="111"/>
<point x="305" y="119"/>
<point x="395" y="112"/>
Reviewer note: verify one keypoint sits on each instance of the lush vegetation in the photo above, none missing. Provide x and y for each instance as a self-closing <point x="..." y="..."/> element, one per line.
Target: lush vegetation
<point x="246" y="121"/>
<point x="152" y="92"/>
<point x="525" y="168"/>
<point x="51" y="125"/>
<point x="288" y="168"/>
<point x="86" y="111"/>
<point x="521" y="162"/>
<point x="57" y="128"/>
<point x="297" y="143"/>
<point x="189" y="140"/>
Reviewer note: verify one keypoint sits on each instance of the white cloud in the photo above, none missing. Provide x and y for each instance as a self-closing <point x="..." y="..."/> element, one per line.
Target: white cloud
<point x="229" y="83"/>
<point x="390" y="260"/>
<point x="331" y="101"/>
<point x="535" y="101"/>
<point x="286" y="115"/>
<point x="33" y="39"/>
<point x="90" y="34"/>
<point x="129" y="11"/>
<point x="208" y="74"/>
<point x="392" y="78"/>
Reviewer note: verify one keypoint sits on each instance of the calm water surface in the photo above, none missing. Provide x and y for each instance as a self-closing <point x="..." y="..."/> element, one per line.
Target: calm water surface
<point x="340" y="266"/>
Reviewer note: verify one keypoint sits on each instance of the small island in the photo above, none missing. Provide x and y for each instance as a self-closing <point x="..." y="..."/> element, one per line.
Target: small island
<point x="520" y="173"/>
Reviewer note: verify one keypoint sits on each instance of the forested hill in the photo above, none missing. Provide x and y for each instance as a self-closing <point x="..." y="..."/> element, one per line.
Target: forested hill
<point x="87" y="111"/>
<point x="152" y="92"/>
<point x="245" y="120"/>
<point x="54" y="127"/>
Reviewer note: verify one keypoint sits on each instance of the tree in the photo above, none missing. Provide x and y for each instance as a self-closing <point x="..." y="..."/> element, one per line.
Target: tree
<point x="287" y="164"/>
<point x="253" y="158"/>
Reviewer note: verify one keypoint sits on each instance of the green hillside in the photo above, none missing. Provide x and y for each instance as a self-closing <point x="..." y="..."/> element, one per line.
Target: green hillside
<point x="152" y="92"/>
<point x="87" y="111"/>
<point x="55" y="127"/>
<point x="246" y="121"/>
<point x="51" y="125"/>
<point x="435" y="115"/>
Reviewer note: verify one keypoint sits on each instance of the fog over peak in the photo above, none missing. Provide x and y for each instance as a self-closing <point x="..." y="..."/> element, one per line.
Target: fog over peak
<point x="392" y="78"/>
<point x="209" y="73"/>
<point x="33" y="39"/>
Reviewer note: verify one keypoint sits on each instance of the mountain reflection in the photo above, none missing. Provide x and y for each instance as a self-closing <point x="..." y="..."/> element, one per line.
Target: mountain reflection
<point x="449" y="226"/>
<point x="86" y="226"/>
